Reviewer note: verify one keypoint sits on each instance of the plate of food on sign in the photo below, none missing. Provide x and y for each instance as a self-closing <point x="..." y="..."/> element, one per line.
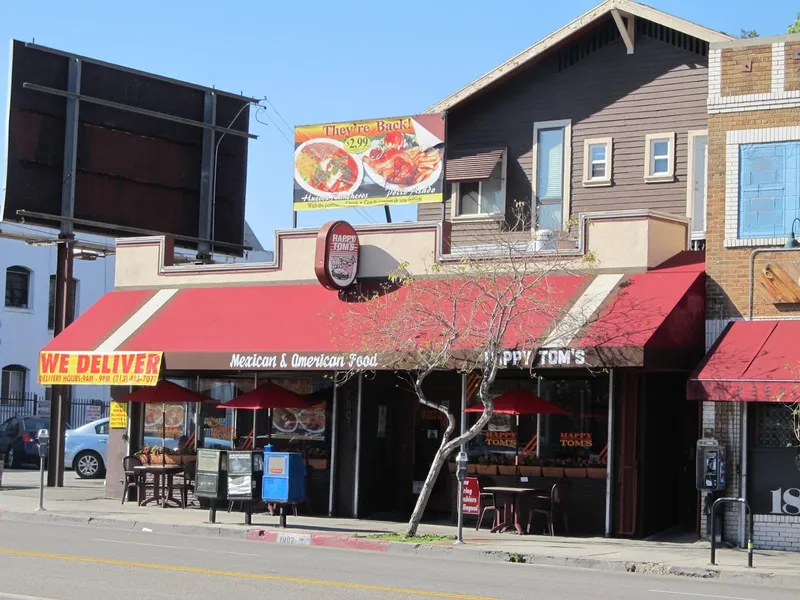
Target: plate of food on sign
<point x="396" y="161"/>
<point x="325" y="169"/>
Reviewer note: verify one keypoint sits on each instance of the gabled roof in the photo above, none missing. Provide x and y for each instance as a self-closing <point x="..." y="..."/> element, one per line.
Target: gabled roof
<point x="625" y="7"/>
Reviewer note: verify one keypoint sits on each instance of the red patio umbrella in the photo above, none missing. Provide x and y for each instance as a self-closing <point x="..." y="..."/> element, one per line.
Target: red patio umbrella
<point x="269" y="396"/>
<point x="164" y="392"/>
<point x="521" y="402"/>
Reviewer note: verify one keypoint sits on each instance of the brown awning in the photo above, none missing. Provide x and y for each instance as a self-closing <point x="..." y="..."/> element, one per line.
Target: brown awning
<point x="473" y="165"/>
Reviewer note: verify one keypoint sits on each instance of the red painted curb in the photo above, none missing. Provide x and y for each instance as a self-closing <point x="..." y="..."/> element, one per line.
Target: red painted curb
<point x="316" y="539"/>
<point x="340" y="541"/>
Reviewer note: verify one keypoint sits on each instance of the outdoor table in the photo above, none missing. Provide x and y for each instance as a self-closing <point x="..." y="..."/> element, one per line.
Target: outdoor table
<point x="162" y="479"/>
<point x="509" y="498"/>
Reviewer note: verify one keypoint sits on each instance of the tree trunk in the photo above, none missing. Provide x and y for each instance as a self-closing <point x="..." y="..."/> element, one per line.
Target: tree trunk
<point x="424" y="494"/>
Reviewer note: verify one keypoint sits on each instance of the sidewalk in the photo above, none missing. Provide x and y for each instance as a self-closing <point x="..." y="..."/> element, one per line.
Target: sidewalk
<point x="82" y="502"/>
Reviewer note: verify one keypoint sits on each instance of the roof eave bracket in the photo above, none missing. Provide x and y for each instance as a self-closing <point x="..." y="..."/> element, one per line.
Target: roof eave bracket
<point x="626" y="30"/>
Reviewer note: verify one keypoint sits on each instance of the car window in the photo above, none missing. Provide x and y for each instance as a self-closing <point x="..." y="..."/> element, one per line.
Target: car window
<point x="102" y="428"/>
<point x="35" y="424"/>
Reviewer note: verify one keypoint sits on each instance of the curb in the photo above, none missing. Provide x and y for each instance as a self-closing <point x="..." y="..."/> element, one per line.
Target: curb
<point x="351" y="542"/>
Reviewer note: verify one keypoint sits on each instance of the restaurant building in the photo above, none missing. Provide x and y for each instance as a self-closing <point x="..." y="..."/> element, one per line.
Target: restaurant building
<point x="748" y="382"/>
<point x="597" y="131"/>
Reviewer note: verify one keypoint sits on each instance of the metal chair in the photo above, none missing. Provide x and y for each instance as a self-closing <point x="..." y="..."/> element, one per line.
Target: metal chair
<point x="487" y="502"/>
<point x="185" y="482"/>
<point x="133" y="479"/>
<point x="552" y="506"/>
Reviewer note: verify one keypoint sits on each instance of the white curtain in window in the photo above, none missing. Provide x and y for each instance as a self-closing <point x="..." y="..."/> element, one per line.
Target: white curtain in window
<point x="551" y="164"/>
<point x="492" y="191"/>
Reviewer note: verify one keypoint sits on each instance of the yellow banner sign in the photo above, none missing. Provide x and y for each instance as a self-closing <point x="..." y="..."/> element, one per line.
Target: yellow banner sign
<point x="118" y="416"/>
<point x="99" y="368"/>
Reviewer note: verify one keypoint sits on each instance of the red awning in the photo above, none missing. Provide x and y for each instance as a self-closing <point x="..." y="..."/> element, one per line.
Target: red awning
<point x="653" y="319"/>
<point x="102" y="319"/>
<point x="752" y="361"/>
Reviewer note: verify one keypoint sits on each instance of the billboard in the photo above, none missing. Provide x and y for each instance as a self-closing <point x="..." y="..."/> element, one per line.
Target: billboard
<point x="133" y="168"/>
<point x="367" y="163"/>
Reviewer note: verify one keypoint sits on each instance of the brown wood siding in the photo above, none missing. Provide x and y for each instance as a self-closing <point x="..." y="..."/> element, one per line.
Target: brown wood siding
<point x="660" y="88"/>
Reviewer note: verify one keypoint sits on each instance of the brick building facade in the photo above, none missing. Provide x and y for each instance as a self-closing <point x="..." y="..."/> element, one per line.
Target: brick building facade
<point x="752" y="201"/>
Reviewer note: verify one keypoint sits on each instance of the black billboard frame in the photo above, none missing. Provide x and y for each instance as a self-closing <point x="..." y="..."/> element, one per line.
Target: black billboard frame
<point x="66" y="220"/>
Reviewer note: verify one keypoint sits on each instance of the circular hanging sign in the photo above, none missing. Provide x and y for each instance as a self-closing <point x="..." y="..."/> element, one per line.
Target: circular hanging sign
<point x="336" y="261"/>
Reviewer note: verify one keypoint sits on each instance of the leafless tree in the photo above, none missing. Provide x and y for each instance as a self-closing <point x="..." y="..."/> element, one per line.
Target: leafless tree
<point x="462" y="314"/>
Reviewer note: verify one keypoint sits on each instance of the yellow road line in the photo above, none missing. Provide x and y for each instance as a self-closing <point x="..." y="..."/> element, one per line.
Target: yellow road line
<point x="322" y="582"/>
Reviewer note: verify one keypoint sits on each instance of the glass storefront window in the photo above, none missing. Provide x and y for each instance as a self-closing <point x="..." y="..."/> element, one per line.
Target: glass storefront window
<point x="583" y="431"/>
<point x="580" y="435"/>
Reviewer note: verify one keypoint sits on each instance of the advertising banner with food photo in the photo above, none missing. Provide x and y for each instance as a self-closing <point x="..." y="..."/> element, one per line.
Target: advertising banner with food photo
<point x="299" y="423"/>
<point x="164" y="419"/>
<point x="365" y="163"/>
<point x="99" y="368"/>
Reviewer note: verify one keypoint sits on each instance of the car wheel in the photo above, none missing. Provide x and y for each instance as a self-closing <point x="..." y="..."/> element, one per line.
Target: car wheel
<point x="89" y="465"/>
<point x="11" y="459"/>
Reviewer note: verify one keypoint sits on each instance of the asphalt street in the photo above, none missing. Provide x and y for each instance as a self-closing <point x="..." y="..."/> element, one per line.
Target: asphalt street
<point x="59" y="562"/>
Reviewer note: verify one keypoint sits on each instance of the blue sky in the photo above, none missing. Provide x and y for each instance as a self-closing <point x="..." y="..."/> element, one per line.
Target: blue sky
<point x="320" y="61"/>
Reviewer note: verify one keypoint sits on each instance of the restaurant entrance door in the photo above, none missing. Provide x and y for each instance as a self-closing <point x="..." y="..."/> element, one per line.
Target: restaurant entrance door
<point x="387" y="449"/>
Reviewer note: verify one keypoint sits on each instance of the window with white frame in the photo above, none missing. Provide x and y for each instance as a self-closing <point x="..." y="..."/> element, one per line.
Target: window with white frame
<point x="18" y="282"/>
<point x="597" y="161"/>
<point x="485" y="197"/>
<point x="551" y="182"/>
<point x="12" y="382"/>
<point x="659" y="160"/>
<point x="697" y="183"/>
<point x="762" y="185"/>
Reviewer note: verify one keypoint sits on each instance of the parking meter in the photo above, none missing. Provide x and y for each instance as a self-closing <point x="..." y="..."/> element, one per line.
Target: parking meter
<point x="43" y="439"/>
<point x="461" y="466"/>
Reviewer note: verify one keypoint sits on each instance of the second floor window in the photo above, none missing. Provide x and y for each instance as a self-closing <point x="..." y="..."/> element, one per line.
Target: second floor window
<point x="552" y="164"/>
<point x="597" y="162"/>
<point x="482" y="191"/>
<point x="18" y="282"/>
<point x="769" y="188"/>
<point x="659" y="160"/>
<point x="51" y="309"/>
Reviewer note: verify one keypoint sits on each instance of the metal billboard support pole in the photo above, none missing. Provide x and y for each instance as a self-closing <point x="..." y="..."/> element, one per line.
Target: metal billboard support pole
<point x="64" y="286"/>
<point x="207" y="176"/>
<point x="334" y="427"/>
<point x="358" y="445"/>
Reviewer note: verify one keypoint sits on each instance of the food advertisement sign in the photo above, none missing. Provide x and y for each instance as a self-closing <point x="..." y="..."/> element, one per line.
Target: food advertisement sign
<point x="366" y="163"/>
<point x="164" y="420"/>
<point x="299" y="423"/>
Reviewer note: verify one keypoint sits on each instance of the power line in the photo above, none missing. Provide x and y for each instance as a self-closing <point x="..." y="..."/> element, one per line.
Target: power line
<point x="277" y="112"/>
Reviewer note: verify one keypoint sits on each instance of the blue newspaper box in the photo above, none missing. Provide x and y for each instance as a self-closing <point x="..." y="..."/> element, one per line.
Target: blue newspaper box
<point x="284" y="479"/>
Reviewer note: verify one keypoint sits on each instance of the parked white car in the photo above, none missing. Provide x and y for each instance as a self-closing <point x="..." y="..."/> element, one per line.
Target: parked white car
<point x="86" y="448"/>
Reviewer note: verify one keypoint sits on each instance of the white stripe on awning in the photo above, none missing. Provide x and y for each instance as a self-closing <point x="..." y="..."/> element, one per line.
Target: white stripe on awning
<point x="580" y="312"/>
<point x="136" y="320"/>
